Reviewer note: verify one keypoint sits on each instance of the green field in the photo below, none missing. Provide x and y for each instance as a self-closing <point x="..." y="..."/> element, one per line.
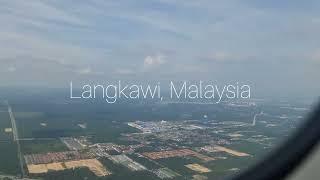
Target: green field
<point x="42" y="146"/>
<point x="5" y="123"/>
<point x="9" y="159"/>
<point x="8" y="148"/>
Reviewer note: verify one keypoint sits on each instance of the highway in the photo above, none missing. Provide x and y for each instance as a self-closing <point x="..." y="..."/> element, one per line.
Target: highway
<point x="255" y="118"/>
<point x="10" y="177"/>
<point x="16" y="139"/>
<point x="36" y="139"/>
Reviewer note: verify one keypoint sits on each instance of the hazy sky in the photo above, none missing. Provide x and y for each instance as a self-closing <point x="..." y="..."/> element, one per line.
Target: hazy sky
<point x="263" y="42"/>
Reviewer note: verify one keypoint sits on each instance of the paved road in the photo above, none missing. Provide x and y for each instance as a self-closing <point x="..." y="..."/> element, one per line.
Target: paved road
<point x="255" y="118"/>
<point x="13" y="177"/>
<point x="36" y="139"/>
<point x="16" y="139"/>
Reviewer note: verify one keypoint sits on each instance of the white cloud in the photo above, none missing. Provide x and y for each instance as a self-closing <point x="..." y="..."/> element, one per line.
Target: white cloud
<point x="26" y="33"/>
<point x="315" y="56"/>
<point x="39" y="11"/>
<point x="88" y="71"/>
<point x="12" y="69"/>
<point x="44" y="37"/>
<point x="154" y="61"/>
<point x="315" y="20"/>
<point x="7" y="69"/>
<point x="123" y="71"/>
<point x="221" y="56"/>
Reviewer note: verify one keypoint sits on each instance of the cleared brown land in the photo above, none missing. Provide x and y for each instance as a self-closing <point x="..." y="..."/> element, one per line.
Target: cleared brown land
<point x="37" y="169"/>
<point x="93" y="164"/>
<point x="54" y="157"/>
<point x="8" y="130"/>
<point x="44" y="168"/>
<point x="176" y="153"/>
<point x="230" y="151"/>
<point x="198" y="168"/>
<point x="55" y="166"/>
<point x="199" y="177"/>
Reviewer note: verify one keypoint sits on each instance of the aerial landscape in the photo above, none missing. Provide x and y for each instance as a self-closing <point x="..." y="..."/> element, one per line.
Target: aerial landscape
<point x="50" y="137"/>
<point x="153" y="89"/>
